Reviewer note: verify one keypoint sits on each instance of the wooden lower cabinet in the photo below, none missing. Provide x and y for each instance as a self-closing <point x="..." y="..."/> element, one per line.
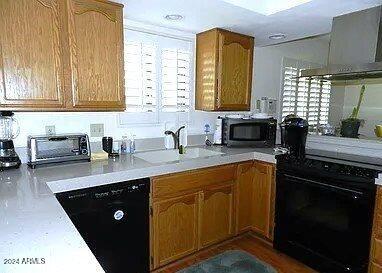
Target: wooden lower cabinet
<point x="175" y="228"/>
<point x="375" y="268"/>
<point x="376" y="240"/>
<point x="255" y="198"/>
<point x="244" y="196"/>
<point x="193" y="210"/>
<point x="216" y="215"/>
<point x="263" y="199"/>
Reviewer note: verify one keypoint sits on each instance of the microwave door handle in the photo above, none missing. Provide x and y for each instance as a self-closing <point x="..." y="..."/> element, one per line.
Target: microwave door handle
<point x="323" y="185"/>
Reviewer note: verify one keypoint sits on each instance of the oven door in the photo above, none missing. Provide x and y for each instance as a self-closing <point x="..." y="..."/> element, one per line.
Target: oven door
<point x="325" y="225"/>
<point x="58" y="147"/>
<point x="250" y="134"/>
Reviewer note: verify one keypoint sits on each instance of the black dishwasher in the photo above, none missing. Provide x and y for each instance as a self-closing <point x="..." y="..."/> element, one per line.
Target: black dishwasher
<point x="114" y="222"/>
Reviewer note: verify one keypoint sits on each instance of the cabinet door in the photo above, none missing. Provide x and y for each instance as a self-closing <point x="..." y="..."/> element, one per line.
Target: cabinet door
<point x="244" y="196"/>
<point x="235" y="71"/>
<point x="375" y="268"/>
<point x="263" y="199"/>
<point x="31" y="75"/>
<point x="96" y="55"/>
<point x="376" y="241"/>
<point x="216" y="215"/>
<point x="206" y="68"/>
<point x="175" y="228"/>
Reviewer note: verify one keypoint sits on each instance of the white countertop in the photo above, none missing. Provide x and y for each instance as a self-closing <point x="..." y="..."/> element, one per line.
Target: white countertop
<point x="34" y="225"/>
<point x="378" y="181"/>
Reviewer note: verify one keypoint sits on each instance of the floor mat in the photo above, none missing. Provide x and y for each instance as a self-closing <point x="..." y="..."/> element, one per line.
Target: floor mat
<point x="233" y="261"/>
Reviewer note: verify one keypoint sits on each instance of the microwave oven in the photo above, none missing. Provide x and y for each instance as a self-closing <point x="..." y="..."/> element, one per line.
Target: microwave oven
<point x="239" y="132"/>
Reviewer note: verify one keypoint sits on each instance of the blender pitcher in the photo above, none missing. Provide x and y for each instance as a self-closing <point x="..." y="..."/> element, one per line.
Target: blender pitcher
<point x="9" y="126"/>
<point x="9" y="129"/>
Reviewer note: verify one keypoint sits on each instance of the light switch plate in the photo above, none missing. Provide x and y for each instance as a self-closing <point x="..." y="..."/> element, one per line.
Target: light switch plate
<point x="97" y="130"/>
<point x="50" y="129"/>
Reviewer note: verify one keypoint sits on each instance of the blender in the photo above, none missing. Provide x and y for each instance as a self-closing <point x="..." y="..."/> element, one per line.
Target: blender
<point x="9" y="130"/>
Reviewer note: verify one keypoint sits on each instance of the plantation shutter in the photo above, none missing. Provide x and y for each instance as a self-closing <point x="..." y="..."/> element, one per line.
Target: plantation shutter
<point x="289" y="92"/>
<point x="314" y="103"/>
<point x="140" y="77"/>
<point x="175" y="81"/>
<point x="306" y="98"/>
<point x="325" y="99"/>
<point x="302" y="97"/>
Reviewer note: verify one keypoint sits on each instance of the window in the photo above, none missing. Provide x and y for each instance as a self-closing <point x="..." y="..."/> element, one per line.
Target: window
<point x="140" y="77"/>
<point x="157" y="77"/>
<point x="308" y="99"/>
<point x="175" y="81"/>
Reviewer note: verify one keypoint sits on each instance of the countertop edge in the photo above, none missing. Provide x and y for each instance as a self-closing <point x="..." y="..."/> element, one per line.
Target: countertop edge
<point x="64" y="185"/>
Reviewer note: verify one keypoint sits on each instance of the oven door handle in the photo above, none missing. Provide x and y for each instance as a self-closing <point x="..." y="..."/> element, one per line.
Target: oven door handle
<point x="57" y="138"/>
<point x="356" y="194"/>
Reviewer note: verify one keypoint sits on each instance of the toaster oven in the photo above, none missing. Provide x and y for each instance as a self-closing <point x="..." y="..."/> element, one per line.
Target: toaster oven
<point x="48" y="149"/>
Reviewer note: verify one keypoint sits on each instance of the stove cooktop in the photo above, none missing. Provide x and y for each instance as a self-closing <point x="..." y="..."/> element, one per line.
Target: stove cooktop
<point x="321" y="161"/>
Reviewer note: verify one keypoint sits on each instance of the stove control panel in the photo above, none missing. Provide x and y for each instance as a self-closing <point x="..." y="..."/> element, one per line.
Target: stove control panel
<point x="332" y="167"/>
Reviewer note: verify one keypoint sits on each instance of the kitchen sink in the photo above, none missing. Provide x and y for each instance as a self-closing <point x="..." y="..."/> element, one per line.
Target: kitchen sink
<point x="173" y="155"/>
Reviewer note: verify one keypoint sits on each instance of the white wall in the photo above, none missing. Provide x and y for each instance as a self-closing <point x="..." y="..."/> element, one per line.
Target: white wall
<point x="268" y="63"/>
<point x="266" y="82"/>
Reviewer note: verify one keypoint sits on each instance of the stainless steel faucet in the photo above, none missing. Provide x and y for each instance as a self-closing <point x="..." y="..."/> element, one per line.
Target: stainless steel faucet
<point x="175" y="136"/>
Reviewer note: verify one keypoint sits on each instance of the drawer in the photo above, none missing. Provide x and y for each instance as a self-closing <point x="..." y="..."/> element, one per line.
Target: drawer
<point x="375" y="268"/>
<point x="170" y="185"/>
<point x="377" y="254"/>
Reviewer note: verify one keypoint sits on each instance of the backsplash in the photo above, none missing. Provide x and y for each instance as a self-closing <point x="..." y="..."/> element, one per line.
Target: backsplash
<point x="34" y="124"/>
<point x="143" y="144"/>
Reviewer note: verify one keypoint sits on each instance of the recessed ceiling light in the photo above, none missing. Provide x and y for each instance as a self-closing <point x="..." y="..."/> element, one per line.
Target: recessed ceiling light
<point x="277" y="36"/>
<point x="173" y="17"/>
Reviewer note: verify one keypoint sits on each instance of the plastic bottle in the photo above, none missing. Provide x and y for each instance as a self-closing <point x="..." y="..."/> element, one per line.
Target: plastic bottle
<point x="132" y="144"/>
<point x="125" y="145"/>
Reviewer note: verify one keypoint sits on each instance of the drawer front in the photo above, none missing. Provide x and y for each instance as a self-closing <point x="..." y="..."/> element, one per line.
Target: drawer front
<point x="170" y="185"/>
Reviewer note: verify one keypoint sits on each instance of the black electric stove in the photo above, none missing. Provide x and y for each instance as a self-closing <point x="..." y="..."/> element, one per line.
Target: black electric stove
<point x="324" y="211"/>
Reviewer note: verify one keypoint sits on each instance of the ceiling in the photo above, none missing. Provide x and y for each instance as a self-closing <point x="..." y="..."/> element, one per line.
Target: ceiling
<point x="311" y="18"/>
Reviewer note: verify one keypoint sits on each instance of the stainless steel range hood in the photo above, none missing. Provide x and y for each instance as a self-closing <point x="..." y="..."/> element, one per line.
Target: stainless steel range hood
<point x="355" y="47"/>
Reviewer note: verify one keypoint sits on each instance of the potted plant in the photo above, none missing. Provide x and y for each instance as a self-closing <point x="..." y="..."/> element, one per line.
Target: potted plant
<point x="350" y="126"/>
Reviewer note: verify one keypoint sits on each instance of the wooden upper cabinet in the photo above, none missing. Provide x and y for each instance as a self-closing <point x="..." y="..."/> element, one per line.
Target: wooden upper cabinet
<point x="224" y="62"/>
<point x="31" y="75"/>
<point x="235" y="71"/>
<point x="96" y="54"/>
<point x="61" y="55"/>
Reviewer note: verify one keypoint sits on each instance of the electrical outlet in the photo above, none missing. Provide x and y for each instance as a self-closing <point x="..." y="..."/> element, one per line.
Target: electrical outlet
<point x="50" y="129"/>
<point x="97" y="130"/>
